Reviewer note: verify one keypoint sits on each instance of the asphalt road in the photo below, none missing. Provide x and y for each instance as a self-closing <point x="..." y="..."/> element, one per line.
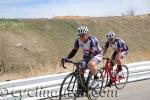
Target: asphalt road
<point x="139" y="90"/>
<point x="133" y="91"/>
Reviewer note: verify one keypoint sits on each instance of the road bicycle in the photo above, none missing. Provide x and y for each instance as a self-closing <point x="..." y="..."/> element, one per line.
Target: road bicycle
<point x="76" y="85"/>
<point x="119" y="79"/>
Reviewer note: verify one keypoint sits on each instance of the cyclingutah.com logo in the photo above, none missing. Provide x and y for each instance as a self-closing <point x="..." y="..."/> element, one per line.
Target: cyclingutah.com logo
<point x="45" y="93"/>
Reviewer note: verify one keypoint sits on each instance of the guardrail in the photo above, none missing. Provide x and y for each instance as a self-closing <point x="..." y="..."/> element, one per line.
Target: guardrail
<point x="48" y="86"/>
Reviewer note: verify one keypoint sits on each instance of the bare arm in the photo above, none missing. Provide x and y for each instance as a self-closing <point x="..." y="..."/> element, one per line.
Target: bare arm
<point x="104" y="50"/>
<point x="105" y="47"/>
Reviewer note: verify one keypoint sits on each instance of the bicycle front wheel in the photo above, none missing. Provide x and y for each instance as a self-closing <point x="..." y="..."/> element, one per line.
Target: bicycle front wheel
<point x="68" y="88"/>
<point x="122" y="77"/>
<point x="104" y="76"/>
<point x="94" y="93"/>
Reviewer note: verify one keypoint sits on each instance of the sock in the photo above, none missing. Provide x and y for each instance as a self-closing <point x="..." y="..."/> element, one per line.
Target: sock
<point x="119" y="67"/>
<point x="96" y="77"/>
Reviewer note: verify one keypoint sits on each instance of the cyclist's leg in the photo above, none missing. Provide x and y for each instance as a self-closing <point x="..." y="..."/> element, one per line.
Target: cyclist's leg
<point x="113" y="57"/>
<point x="92" y="65"/>
<point x="111" y="67"/>
<point x="118" y="62"/>
<point x="93" y="68"/>
<point x="118" y="58"/>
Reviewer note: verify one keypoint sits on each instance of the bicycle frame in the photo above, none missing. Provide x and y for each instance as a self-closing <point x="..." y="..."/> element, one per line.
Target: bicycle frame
<point x="76" y="84"/>
<point x="78" y="77"/>
<point x="80" y="80"/>
<point x="108" y="70"/>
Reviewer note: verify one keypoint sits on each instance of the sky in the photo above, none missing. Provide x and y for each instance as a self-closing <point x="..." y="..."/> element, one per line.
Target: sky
<point x="51" y="8"/>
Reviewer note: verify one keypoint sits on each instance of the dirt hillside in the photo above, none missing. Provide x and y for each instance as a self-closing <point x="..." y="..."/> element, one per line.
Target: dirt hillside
<point x="33" y="47"/>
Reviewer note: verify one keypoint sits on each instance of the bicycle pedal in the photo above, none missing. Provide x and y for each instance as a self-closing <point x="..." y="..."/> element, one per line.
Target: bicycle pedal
<point x="80" y="94"/>
<point x="120" y="77"/>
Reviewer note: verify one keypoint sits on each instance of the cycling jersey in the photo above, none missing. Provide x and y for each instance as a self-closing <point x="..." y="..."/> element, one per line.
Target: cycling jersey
<point x="119" y="44"/>
<point x="91" y="49"/>
<point x="91" y="46"/>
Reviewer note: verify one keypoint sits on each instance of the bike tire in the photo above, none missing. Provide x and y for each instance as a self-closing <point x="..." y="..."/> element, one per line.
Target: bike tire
<point x="94" y="94"/>
<point x="120" y="84"/>
<point x="105" y="76"/>
<point x="66" y="92"/>
<point x="90" y="91"/>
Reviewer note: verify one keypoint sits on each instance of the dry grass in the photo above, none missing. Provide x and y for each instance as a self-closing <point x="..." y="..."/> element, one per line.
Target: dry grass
<point x="138" y="56"/>
<point x="47" y="70"/>
<point x="35" y="72"/>
<point x="71" y="17"/>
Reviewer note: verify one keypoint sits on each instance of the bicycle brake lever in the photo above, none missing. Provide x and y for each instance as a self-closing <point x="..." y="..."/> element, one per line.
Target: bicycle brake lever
<point x="62" y="63"/>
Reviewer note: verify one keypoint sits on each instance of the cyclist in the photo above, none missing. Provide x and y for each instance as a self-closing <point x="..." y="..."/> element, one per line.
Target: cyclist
<point x="120" y="50"/>
<point x="92" y="52"/>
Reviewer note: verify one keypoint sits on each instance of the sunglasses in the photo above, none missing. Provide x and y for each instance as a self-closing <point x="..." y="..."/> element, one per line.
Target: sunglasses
<point x="82" y="35"/>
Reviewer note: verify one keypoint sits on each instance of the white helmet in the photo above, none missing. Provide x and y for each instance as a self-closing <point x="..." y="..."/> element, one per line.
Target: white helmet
<point x="82" y="30"/>
<point x="110" y="35"/>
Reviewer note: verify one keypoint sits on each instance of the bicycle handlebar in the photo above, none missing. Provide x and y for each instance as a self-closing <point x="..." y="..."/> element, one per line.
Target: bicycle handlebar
<point x="107" y="58"/>
<point x="68" y="61"/>
<point x="78" y="63"/>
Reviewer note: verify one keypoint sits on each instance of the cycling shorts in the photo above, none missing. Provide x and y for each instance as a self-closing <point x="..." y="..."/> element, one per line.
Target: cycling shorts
<point x="122" y="54"/>
<point x="97" y="58"/>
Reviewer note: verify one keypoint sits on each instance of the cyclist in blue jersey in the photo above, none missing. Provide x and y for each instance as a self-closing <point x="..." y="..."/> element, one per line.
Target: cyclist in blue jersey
<point x="120" y="50"/>
<point x="92" y="52"/>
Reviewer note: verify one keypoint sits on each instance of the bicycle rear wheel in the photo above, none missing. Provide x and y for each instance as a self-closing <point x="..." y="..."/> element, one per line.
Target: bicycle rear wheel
<point x="68" y="88"/>
<point x="122" y="77"/>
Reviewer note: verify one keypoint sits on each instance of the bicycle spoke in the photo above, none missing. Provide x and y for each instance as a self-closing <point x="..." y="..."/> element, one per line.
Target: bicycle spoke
<point x="68" y="88"/>
<point x="122" y="78"/>
<point x="105" y="77"/>
<point x="93" y="94"/>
